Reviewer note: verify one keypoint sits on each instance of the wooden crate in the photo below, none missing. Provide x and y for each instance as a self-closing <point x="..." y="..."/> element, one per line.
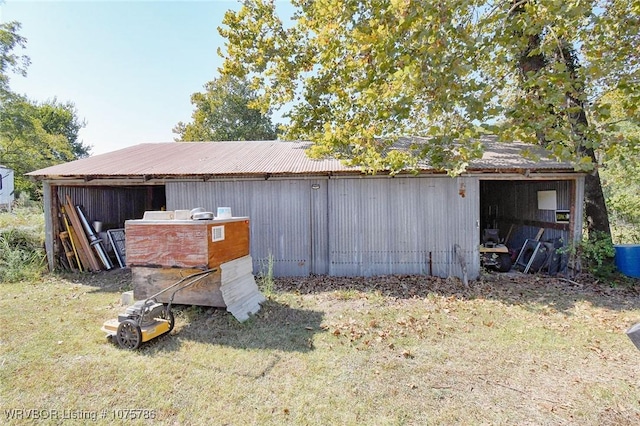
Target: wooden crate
<point x="161" y="252"/>
<point x="149" y="281"/>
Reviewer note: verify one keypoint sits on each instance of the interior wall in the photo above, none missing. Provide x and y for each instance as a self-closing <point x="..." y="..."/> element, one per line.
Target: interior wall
<point x="113" y="205"/>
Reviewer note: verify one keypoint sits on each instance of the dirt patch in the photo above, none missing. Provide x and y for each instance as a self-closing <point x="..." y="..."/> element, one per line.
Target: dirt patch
<point x="115" y="280"/>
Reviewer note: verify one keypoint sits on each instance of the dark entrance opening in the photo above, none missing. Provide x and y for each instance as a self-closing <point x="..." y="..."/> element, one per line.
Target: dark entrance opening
<point x="158" y="198"/>
<point x="519" y="212"/>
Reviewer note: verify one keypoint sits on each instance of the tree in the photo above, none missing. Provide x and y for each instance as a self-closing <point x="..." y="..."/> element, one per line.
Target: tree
<point x="532" y="61"/>
<point x="621" y="172"/>
<point x="222" y="113"/>
<point x="62" y="119"/>
<point x="32" y="135"/>
<point x="25" y="142"/>
<point x="10" y="61"/>
<point x="359" y="74"/>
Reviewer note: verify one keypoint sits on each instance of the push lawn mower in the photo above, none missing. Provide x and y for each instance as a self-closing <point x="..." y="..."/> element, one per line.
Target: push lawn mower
<point x="147" y="319"/>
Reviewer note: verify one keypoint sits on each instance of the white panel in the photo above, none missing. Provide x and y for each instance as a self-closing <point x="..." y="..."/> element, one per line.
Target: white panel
<point x="579" y="210"/>
<point x="547" y="200"/>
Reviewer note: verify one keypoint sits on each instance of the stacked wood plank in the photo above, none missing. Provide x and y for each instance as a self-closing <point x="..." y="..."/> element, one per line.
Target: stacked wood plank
<point x="82" y="256"/>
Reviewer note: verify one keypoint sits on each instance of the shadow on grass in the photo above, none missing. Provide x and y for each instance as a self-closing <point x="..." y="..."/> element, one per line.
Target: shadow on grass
<point x="529" y="291"/>
<point x="117" y="280"/>
<point x="275" y="327"/>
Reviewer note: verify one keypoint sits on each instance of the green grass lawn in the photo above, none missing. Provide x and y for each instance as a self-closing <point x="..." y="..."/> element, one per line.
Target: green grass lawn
<point x="391" y="351"/>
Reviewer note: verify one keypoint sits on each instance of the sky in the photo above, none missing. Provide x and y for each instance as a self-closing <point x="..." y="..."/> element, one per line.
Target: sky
<point x="129" y="67"/>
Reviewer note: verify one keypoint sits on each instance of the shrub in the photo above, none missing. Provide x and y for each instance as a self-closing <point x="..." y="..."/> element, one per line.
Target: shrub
<point x="597" y="255"/>
<point x="22" y="255"/>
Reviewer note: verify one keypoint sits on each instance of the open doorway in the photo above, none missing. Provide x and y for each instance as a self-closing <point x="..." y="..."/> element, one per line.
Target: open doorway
<point x="523" y="220"/>
<point x="158" y="198"/>
<point x="105" y="209"/>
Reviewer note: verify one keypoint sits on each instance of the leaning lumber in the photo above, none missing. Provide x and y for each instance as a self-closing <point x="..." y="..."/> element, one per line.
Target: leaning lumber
<point x="70" y="255"/>
<point x="82" y="238"/>
<point x="86" y="266"/>
<point x="80" y="261"/>
<point x="94" y="241"/>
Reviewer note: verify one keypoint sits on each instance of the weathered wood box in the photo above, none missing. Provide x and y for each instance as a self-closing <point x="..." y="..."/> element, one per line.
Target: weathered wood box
<point x="161" y="252"/>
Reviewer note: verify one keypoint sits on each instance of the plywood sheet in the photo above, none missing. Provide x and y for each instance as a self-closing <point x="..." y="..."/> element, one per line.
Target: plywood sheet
<point x="81" y="238"/>
<point x="235" y="244"/>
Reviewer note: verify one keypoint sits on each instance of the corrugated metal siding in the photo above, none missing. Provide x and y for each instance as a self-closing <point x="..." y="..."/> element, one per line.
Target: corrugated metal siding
<point x="279" y="211"/>
<point x="348" y="227"/>
<point x="319" y="226"/>
<point x="110" y="205"/>
<point x="463" y="224"/>
<point x="393" y="226"/>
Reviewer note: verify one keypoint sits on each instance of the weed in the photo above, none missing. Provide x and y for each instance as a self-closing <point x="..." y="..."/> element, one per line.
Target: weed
<point x="22" y="256"/>
<point x="191" y="313"/>
<point x="347" y="294"/>
<point x="265" y="277"/>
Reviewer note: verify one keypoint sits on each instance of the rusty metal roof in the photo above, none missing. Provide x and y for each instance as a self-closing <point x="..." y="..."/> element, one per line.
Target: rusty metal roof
<point x="174" y="159"/>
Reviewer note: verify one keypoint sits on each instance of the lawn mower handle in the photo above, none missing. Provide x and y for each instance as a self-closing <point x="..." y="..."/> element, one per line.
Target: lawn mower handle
<point x="197" y="277"/>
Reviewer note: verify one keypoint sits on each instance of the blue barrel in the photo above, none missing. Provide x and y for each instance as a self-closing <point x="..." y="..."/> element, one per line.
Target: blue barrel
<point x="628" y="259"/>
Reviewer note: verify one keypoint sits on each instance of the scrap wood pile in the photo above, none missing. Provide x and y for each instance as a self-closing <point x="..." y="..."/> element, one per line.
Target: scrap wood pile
<point x="82" y="249"/>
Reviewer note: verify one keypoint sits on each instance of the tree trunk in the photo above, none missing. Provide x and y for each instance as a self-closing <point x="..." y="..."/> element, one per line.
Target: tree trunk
<point x="595" y="208"/>
<point x="596" y="215"/>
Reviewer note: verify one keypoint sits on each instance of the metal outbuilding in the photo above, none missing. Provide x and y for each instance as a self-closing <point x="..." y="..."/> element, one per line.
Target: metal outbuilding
<point x="322" y="217"/>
